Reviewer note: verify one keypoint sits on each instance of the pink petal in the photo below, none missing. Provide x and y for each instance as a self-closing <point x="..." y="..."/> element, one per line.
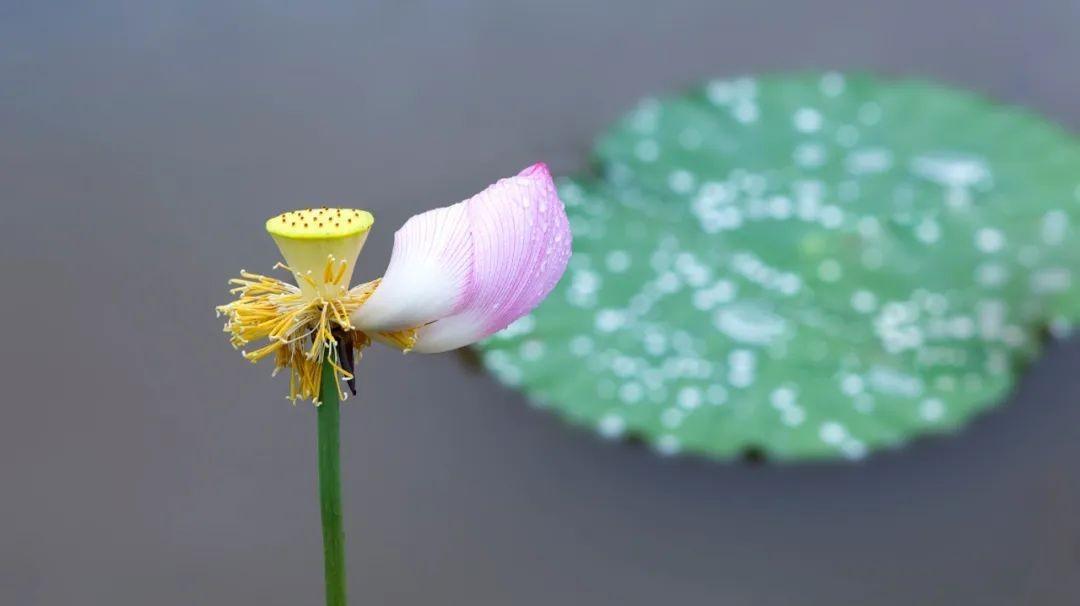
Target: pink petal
<point x="429" y="272"/>
<point x="520" y="246"/>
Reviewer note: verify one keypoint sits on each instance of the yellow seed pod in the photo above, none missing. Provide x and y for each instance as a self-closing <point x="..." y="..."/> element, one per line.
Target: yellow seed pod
<point x="320" y="246"/>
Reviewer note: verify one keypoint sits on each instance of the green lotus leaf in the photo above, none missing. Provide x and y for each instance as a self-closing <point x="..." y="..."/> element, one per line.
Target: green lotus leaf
<point x="809" y="267"/>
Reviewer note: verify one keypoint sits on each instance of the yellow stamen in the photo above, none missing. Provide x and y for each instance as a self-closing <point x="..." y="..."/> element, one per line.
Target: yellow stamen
<point x="299" y="329"/>
<point x="404" y="340"/>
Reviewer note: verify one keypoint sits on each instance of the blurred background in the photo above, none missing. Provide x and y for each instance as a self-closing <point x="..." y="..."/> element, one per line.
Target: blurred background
<point x="142" y="461"/>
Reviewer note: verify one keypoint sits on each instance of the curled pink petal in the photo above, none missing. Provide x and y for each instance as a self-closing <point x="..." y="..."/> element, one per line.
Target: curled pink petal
<point x="429" y="273"/>
<point x="520" y="246"/>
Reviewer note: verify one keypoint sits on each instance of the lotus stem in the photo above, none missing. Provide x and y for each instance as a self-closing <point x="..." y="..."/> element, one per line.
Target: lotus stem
<point x="329" y="415"/>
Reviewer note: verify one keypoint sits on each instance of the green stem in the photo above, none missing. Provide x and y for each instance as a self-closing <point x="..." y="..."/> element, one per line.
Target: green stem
<point x="330" y="488"/>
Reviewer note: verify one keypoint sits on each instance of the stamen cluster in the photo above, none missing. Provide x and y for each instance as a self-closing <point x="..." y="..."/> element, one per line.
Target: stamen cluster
<point x="303" y="331"/>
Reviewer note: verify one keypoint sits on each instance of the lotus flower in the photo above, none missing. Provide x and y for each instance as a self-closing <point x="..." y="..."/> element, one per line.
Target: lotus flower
<point x="456" y="275"/>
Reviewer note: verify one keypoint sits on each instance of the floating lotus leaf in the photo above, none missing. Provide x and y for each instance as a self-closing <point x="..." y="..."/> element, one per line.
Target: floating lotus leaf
<point x="807" y="267"/>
